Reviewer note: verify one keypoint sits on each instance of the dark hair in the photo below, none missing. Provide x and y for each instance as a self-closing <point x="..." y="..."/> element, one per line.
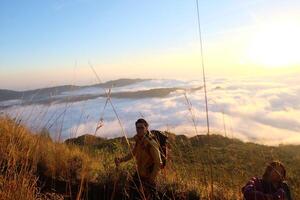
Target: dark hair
<point x="271" y="166"/>
<point x="143" y="121"/>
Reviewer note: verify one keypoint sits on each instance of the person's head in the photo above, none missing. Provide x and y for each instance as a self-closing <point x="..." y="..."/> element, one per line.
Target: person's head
<point x="141" y="126"/>
<point x="275" y="172"/>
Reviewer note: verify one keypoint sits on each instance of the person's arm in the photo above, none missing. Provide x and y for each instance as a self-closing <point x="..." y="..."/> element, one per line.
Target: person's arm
<point x="287" y="191"/>
<point x="252" y="191"/>
<point x="126" y="158"/>
<point x="155" y="154"/>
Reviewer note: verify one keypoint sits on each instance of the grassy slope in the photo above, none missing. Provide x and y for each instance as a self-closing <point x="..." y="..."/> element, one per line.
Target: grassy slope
<point x="32" y="166"/>
<point x="233" y="161"/>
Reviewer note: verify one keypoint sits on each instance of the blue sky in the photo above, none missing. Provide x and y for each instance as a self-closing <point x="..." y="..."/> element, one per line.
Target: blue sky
<point x="44" y="37"/>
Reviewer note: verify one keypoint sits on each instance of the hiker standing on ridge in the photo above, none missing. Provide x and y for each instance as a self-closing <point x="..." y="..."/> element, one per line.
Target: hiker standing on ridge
<point x="270" y="187"/>
<point x="148" y="160"/>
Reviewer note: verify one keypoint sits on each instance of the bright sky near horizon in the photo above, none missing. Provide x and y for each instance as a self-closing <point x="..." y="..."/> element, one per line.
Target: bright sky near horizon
<point x="50" y="42"/>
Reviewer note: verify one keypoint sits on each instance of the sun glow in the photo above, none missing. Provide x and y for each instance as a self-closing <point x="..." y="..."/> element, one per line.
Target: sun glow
<point x="275" y="45"/>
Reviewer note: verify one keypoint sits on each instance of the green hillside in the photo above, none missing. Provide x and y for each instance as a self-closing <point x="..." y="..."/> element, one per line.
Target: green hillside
<point x="32" y="166"/>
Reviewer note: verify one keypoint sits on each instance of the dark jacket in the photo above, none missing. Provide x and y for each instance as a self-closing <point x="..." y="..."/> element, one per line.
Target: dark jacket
<point x="258" y="189"/>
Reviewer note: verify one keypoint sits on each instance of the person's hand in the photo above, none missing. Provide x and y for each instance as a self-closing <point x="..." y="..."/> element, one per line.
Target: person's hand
<point x="280" y="194"/>
<point x="117" y="161"/>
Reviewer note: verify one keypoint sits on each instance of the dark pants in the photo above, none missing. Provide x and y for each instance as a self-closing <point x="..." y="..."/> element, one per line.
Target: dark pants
<point x="141" y="189"/>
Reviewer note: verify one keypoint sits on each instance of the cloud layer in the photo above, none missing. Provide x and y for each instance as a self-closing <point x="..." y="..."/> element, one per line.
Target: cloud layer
<point x="265" y="110"/>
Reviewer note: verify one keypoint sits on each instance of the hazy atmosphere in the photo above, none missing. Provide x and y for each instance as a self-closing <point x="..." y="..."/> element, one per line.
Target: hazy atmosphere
<point x="49" y="43"/>
<point x="149" y="100"/>
<point x="259" y="110"/>
<point x="250" y="55"/>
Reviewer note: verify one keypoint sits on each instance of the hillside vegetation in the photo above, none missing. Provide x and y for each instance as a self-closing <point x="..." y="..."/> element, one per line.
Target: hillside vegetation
<point x="32" y="166"/>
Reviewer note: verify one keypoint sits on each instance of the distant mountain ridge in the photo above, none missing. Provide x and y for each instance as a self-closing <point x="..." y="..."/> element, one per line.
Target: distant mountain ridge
<point x="73" y="93"/>
<point x="56" y="90"/>
<point x="140" y="94"/>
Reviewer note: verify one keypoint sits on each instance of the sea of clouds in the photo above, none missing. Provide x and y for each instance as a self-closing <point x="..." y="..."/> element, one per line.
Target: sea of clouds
<point x="263" y="110"/>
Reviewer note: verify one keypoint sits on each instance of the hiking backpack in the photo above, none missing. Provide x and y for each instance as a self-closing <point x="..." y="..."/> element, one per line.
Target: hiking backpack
<point x="162" y="139"/>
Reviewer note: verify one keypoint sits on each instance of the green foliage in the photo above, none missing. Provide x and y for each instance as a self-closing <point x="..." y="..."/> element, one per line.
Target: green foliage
<point x="233" y="162"/>
<point x="25" y="156"/>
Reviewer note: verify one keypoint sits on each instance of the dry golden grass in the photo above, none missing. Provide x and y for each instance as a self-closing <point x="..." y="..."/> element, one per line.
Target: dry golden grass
<point x="87" y="170"/>
<point x="24" y="157"/>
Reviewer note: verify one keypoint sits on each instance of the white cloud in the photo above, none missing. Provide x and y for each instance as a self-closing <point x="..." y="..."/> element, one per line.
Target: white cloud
<point x="265" y="111"/>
